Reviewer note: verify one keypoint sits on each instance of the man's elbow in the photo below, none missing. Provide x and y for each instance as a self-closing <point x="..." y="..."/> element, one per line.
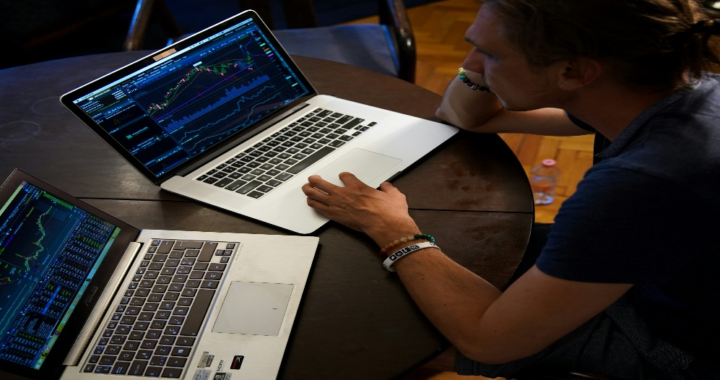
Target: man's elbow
<point x="451" y="117"/>
<point x="441" y="114"/>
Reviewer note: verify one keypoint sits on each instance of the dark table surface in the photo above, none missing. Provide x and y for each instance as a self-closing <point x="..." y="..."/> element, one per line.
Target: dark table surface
<point x="356" y="321"/>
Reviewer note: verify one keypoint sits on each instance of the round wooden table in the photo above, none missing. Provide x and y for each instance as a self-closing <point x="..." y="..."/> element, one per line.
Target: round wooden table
<point x="356" y="320"/>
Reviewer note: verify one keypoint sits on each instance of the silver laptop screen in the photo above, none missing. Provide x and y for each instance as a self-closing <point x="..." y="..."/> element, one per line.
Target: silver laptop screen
<point x="193" y="99"/>
<point x="49" y="252"/>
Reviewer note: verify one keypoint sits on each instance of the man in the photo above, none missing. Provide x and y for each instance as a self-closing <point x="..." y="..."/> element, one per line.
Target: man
<point x="626" y="284"/>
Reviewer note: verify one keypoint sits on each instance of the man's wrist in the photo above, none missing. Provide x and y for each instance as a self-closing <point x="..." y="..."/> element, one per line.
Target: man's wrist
<point x="395" y="237"/>
<point x="472" y="80"/>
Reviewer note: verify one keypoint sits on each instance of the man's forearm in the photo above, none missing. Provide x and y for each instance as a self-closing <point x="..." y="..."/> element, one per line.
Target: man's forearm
<point x="465" y="108"/>
<point x="453" y="298"/>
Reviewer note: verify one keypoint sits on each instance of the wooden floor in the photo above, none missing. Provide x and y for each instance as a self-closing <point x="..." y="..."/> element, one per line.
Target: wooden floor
<point x="439" y="30"/>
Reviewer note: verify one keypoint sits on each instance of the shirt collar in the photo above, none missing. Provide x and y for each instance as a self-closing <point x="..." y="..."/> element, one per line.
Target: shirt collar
<point x="627" y="135"/>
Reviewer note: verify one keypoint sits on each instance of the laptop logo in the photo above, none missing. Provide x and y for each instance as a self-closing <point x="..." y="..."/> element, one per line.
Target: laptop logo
<point x="91" y="295"/>
<point x="164" y="54"/>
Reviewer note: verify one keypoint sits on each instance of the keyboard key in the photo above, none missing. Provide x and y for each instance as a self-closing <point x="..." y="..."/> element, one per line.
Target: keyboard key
<point x="107" y="360"/>
<point x="197" y="312"/>
<point x="181" y="351"/>
<point x="185" y="341"/>
<point x="120" y="368"/>
<point x="283" y="177"/>
<point x="167" y="340"/>
<point x="185" y="301"/>
<point x="310" y="160"/>
<point x="171" y="296"/>
<point x="255" y="194"/>
<point x="236" y="185"/>
<point x="223" y="182"/>
<point x="158" y="360"/>
<point x="137" y="368"/>
<point x="144" y="355"/>
<point x="206" y="253"/>
<point x="247" y="188"/>
<point x="172" y="373"/>
<point x="214" y="267"/>
<point x="126" y="356"/>
<point x="153" y="372"/>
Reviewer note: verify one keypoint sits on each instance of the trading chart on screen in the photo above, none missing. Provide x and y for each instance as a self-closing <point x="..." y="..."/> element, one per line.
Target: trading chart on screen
<point x="49" y="252"/>
<point x="177" y="109"/>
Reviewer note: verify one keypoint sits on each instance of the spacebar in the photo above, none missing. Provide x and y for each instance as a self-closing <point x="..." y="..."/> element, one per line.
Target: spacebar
<point x="199" y="308"/>
<point x="311" y="159"/>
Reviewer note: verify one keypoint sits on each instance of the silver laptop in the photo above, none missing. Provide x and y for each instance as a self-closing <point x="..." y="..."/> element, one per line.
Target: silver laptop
<point x="86" y="296"/>
<point x="226" y="118"/>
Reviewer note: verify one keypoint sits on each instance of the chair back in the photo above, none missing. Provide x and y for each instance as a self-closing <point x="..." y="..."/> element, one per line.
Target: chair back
<point x="297" y="13"/>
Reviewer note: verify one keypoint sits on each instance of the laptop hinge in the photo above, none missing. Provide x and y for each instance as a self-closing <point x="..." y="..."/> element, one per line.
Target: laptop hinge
<point x="235" y="143"/>
<point x="76" y="352"/>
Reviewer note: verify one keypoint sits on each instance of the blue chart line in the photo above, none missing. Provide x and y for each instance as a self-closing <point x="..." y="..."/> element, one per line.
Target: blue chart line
<point x="236" y="110"/>
<point x="230" y="94"/>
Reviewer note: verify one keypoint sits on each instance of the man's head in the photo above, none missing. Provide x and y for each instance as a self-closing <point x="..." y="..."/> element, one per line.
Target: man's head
<point x="647" y="44"/>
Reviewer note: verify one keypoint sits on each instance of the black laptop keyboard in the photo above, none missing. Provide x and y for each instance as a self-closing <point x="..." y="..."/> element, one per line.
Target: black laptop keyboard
<point x="267" y="165"/>
<point x="153" y="330"/>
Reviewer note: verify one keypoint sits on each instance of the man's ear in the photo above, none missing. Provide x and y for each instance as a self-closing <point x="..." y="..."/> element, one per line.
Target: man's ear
<point x="578" y="72"/>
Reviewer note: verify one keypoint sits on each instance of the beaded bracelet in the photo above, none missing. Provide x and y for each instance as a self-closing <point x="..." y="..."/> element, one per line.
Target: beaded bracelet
<point x="406" y="239"/>
<point x="473" y="86"/>
<point x="388" y="263"/>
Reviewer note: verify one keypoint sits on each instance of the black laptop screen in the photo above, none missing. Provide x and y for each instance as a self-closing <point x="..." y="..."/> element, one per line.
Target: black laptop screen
<point x="49" y="252"/>
<point x="193" y="99"/>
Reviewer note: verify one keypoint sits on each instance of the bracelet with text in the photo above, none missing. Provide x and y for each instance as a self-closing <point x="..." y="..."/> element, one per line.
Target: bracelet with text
<point x="406" y="239"/>
<point x="388" y="263"/>
<point x="473" y="86"/>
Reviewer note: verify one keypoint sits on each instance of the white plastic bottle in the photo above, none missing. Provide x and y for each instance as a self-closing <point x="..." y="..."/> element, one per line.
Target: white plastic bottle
<point x="543" y="179"/>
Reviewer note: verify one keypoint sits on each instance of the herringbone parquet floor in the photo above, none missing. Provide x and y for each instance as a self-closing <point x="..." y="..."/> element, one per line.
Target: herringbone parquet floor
<point x="439" y="30"/>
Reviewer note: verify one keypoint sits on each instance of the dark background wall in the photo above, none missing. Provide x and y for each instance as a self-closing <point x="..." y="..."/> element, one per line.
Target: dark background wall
<point x="41" y="30"/>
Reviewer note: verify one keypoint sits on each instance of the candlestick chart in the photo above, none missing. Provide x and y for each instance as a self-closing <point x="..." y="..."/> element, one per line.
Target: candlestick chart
<point x="222" y="92"/>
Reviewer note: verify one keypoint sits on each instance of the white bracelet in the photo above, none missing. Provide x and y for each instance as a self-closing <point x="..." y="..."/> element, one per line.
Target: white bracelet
<point x="388" y="263"/>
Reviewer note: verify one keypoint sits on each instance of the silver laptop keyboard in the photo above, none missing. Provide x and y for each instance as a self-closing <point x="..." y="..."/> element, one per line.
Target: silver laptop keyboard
<point x="153" y="330"/>
<point x="267" y="165"/>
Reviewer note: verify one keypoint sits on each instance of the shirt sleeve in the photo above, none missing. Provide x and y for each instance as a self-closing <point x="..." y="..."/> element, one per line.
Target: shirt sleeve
<point x="623" y="226"/>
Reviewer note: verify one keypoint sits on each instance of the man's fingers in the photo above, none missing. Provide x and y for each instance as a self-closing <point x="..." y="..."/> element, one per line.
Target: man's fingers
<point x="317" y="205"/>
<point x="349" y="179"/>
<point x="312" y="192"/>
<point x="388" y="187"/>
<point x="320" y="184"/>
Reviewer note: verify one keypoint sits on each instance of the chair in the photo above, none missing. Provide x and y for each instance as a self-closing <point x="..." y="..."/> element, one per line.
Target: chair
<point x="387" y="47"/>
<point x="32" y="29"/>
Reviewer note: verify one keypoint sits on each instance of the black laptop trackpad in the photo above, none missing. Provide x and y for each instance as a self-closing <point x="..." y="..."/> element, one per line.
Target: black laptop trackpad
<point x="253" y="308"/>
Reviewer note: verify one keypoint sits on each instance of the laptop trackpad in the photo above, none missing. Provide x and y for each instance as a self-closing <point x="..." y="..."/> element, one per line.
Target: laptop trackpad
<point x="365" y="165"/>
<point x="253" y="308"/>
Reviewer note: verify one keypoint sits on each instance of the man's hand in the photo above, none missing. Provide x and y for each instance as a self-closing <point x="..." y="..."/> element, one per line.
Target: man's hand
<point x="381" y="214"/>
